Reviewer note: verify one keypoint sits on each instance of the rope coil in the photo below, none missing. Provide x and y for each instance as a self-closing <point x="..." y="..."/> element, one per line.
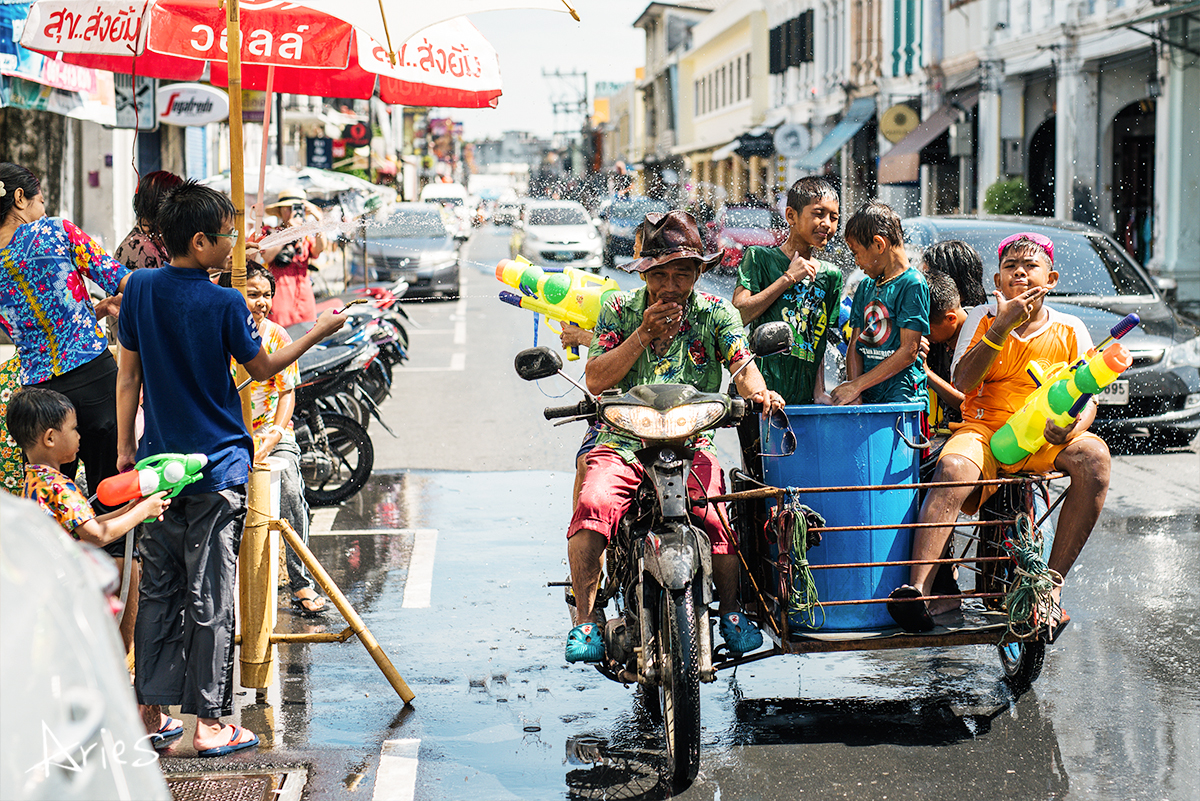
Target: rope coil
<point x="803" y="605"/>
<point x="1029" y="599"/>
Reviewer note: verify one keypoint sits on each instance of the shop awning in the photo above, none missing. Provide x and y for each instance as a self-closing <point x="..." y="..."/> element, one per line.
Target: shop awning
<point x="725" y="151"/>
<point x="902" y="164"/>
<point x="860" y="111"/>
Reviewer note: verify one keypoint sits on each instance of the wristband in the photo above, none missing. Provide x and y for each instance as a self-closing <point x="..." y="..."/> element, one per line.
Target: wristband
<point x="984" y="339"/>
<point x="638" y="331"/>
<point x="273" y="427"/>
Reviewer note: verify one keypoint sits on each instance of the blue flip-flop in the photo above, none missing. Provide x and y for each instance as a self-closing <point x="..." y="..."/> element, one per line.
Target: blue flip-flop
<point x="740" y="635"/>
<point x="584" y="644"/>
<point x="234" y="745"/>
<point x="171" y="730"/>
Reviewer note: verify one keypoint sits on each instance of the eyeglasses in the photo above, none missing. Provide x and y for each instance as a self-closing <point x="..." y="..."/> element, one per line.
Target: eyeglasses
<point x="224" y="236"/>
<point x="1037" y="239"/>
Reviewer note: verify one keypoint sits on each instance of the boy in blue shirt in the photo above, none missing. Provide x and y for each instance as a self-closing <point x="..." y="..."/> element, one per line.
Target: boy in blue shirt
<point x="889" y="316"/>
<point x="178" y="332"/>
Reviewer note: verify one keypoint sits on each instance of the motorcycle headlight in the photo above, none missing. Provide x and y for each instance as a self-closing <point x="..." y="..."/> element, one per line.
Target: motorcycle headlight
<point x="678" y="423"/>
<point x="1186" y="354"/>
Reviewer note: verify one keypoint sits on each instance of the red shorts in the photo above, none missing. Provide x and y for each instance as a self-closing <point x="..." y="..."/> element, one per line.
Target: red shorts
<point x="611" y="482"/>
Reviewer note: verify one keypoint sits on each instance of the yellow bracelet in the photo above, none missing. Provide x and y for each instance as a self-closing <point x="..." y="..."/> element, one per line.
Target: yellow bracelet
<point x="984" y="339"/>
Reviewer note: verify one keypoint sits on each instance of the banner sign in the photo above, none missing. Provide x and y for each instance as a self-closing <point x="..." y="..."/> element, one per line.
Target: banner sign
<point x="320" y="152"/>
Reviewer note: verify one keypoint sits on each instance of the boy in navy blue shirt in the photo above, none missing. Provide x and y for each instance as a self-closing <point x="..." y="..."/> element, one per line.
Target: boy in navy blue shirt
<point x="889" y="316"/>
<point x="178" y="332"/>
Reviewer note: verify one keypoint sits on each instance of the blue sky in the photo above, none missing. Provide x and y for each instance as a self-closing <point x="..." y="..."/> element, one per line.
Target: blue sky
<point x="604" y="44"/>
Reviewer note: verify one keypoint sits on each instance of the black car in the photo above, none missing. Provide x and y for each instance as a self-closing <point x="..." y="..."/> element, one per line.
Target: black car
<point x="412" y="243"/>
<point x="1099" y="283"/>
<point x="620" y="218"/>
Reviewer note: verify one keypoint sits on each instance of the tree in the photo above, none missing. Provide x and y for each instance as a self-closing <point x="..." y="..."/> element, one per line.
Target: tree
<point x="1008" y="196"/>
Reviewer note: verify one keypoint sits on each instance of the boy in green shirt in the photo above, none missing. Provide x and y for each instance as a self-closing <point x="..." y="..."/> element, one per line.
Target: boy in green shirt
<point x="788" y="283"/>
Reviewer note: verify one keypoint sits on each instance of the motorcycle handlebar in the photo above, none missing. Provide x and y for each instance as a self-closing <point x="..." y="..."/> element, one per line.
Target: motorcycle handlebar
<point x="582" y="409"/>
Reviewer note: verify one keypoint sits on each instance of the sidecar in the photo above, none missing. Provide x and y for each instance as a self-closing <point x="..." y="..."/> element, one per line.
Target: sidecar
<point x="859" y="468"/>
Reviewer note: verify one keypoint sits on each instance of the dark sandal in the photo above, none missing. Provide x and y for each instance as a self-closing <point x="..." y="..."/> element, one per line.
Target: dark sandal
<point x="298" y="605"/>
<point x="911" y="615"/>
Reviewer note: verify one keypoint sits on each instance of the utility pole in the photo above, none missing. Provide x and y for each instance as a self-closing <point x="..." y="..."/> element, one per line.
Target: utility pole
<point x="572" y="108"/>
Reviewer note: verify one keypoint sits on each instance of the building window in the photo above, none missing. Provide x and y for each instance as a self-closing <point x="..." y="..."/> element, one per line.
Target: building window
<point x="696" y="97"/>
<point x="739" y="78"/>
<point x="747" y="75"/>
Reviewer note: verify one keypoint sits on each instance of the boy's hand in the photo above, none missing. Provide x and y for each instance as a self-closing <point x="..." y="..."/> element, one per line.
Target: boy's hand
<point x="1013" y="312"/>
<point x="801" y="269"/>
<point x="153" y="506"/>
<point x="1056" y="434"/>
<point x="845" y="394"/>
<point x="329" y="322"/>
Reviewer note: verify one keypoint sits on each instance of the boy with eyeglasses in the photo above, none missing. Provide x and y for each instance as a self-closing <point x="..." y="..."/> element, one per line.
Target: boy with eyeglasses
<point x="177" y="332"/>
<point x="994" y="348"/>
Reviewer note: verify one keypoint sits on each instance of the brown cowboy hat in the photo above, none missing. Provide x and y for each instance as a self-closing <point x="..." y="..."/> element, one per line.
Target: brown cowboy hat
<point x="668" y="237"/>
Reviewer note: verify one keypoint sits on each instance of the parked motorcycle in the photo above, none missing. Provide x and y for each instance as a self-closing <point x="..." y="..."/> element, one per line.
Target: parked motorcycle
<point x="659" y="563"/>
<point x="336" y="452"/>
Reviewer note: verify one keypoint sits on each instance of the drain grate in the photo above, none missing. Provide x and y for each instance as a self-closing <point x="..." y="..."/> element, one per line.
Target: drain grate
<point x="250" y="787"/>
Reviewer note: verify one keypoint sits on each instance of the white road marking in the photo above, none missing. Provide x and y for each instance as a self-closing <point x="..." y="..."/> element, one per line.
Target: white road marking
<point x="419" y="584"/>
<point x="322" y="520"/>
<point x="371" y="532"/>
<point x="397" y="776"/>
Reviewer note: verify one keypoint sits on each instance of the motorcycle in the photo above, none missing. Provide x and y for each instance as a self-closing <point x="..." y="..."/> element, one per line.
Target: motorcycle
<point x="336" y="452"/>
<point x="658" y="564"/>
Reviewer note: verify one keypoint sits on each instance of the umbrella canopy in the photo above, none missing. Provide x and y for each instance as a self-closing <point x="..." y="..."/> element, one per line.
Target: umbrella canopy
<point x="317" y="184"/>
<point x="311" y="52"/>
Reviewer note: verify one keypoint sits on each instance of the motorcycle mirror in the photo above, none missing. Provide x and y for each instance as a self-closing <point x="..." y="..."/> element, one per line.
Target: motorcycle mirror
<point x="533" y="364"/>
<point x="772" y="338"/>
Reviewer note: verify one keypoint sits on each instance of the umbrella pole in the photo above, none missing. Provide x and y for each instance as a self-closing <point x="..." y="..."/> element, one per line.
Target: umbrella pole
<point x="257" y="653"/>
<point x="260" y="206"/>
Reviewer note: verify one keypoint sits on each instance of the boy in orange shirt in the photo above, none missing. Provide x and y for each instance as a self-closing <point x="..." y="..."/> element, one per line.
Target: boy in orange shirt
<point x="989" y="368"/>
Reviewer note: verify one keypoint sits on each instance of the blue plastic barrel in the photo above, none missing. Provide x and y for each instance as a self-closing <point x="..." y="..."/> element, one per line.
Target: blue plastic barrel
<point x="853" y="446"/>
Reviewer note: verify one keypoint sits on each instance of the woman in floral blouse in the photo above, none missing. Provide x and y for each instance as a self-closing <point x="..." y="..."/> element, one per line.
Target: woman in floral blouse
<point x="46" y="311"/>
<point x="142" y="247"/>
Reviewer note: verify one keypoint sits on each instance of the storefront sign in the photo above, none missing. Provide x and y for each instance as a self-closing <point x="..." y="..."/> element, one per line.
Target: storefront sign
<point x="191" y="104"/>
<point x="320" y="152"/>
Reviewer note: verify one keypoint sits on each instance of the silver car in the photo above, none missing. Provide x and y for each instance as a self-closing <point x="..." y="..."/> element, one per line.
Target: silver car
<point x="411" y="242"/>
<point x="71" y="725"/>
<point x="558" y="233"/>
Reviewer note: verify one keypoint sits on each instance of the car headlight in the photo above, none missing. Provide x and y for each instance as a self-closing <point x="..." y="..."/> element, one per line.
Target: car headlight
<point x="1186" y="354"/>
<point x="593" y="234"/>
<point x="677" y="423"/>
<point x="728" y="244"/>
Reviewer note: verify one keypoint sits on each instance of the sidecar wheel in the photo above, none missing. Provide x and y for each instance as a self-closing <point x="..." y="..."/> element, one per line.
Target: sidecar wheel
<point x="1022" y="663"/>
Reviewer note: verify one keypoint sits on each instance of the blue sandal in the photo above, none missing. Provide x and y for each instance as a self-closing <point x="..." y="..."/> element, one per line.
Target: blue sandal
<point x="584" y="644"/>
<point x="170" y="731"/>
<point x="740" y="635"/>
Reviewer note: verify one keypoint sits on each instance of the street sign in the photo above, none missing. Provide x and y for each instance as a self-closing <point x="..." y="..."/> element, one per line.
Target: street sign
<point x="792" y="141"/>
<point x="135" y="106"/>
<point x="750" y="145"/>
<point x="357" y="135"/>
<point x="320" y="152"/>
<point x="191" y="104"/>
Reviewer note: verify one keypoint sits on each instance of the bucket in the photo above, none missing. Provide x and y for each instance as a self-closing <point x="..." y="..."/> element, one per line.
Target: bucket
<point x="853" y="446"/>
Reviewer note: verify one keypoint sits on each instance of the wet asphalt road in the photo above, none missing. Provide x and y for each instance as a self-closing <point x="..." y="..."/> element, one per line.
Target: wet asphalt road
<point x="480" y="483"/>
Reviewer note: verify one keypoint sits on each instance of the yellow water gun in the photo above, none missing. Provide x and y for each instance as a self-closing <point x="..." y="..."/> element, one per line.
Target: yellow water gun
<point x="568" y="296"/>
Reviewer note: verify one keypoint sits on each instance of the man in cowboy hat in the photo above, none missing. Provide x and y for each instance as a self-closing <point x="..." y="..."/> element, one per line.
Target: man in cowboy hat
<point x="290" y="261"/>
<point x="664" y="332"/>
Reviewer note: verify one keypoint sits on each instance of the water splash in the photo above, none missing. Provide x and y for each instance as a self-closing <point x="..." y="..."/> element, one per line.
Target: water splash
<point x="285" y="235"/>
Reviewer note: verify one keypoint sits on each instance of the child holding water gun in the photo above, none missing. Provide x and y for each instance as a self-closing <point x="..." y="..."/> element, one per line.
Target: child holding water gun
<point x="43" y="424"/>
<point x="989" y="367"/>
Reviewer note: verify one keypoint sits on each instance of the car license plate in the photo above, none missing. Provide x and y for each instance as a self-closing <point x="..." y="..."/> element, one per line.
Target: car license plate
<point x="1115" y="394"/>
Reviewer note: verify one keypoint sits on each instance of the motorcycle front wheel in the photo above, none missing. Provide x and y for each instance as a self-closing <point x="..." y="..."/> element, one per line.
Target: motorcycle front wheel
<point x="679" y="685"/>
<point x="336" y="461"/>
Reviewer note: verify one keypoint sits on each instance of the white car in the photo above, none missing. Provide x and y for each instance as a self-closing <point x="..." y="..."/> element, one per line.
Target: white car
<point x="558" y="233"/>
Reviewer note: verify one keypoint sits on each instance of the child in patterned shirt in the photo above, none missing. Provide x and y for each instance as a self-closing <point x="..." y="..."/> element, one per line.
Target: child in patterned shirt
<point x="43" y="423"/>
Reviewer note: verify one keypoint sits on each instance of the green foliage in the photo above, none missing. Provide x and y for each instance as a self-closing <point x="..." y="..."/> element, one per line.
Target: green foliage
<point x="1008" y="196"/>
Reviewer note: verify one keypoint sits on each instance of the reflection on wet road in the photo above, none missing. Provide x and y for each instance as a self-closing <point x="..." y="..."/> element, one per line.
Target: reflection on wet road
<point x="499" y="715"/>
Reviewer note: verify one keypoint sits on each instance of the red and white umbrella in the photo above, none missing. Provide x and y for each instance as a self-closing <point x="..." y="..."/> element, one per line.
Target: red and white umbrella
<point x="311" y="52"/>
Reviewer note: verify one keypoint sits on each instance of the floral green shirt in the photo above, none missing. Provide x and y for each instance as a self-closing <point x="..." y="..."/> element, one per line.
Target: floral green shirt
<point x="710" y="339"/>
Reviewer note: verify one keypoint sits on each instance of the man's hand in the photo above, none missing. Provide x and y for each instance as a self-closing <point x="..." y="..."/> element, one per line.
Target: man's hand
<point x="662" y="320"/>
<point x="573" y="336"/>
<point x="801" y="269"/>
<point x="1013" y="313"/>
<point x="330" y="322"/>
<point x="845" y="394"/>
<point x="770" y="400"/>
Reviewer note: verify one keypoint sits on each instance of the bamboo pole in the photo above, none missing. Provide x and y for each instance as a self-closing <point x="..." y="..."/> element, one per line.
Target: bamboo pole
<point x="256" y="590"/>
<point x="340" y="601"/>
